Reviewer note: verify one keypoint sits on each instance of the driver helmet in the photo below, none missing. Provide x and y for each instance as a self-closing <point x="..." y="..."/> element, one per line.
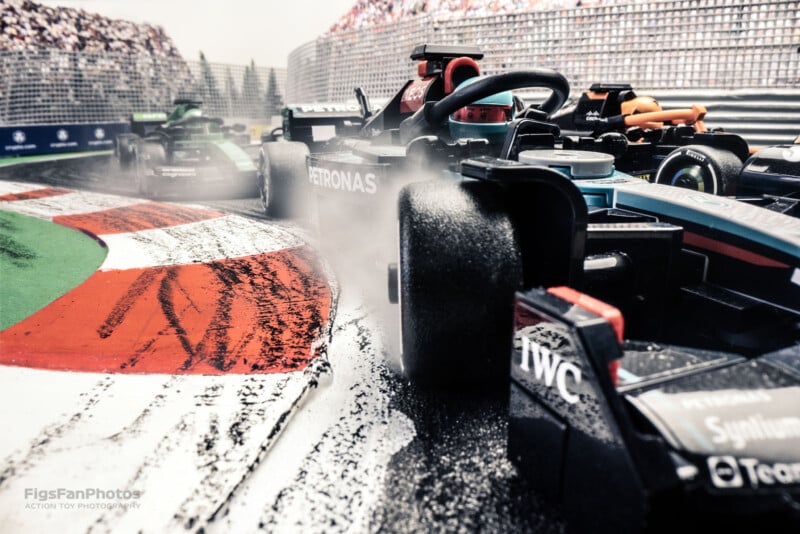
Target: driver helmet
<point x="185" y="110"/>
<point x="488" y="118"/>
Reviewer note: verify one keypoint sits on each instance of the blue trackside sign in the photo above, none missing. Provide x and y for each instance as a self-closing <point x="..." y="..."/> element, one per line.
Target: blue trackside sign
<point x="29" y="140"/>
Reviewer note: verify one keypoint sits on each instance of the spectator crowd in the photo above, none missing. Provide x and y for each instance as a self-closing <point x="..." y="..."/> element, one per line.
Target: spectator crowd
<point x="367" y="13"/>
<point x="26" y="25"/>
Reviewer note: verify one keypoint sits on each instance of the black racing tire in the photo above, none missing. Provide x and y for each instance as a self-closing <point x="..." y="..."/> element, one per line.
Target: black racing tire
<point x="148" y="156"/>
<point x="282" y="179"/>
<point x="701" y="168"/>
<point x="459" y="267"/>
<point x="145" y="186"/>
<point x="125" y="150"/>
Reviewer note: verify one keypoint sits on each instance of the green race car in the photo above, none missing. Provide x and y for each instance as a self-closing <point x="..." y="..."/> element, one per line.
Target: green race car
<point x="186" y="152"/>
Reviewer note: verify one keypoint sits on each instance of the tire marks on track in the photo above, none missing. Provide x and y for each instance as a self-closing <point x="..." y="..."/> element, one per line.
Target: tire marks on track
<point x="243" y="297"/>
<point x="187" y="443"/>
<point x="258" y="314"/>
<point x="48" y="438"/>
<point x="336" y="475"/>
<point x="231" y="236"/>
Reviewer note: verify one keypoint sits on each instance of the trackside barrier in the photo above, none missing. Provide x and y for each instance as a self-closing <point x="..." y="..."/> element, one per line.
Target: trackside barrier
<point x="27" y="140"/>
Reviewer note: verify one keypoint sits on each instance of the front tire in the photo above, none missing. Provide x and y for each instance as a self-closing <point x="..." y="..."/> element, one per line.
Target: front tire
<point x="459" y="267"/>
<point x="700" y="168"/>
<point x="282" y="178"/>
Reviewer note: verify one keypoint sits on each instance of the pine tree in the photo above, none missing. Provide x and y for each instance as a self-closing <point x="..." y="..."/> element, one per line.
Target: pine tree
<point x="208" y="90"/>
<point x="251" y="92"/>
<point x="232" y="95"/>
<point x="273" y="99"/>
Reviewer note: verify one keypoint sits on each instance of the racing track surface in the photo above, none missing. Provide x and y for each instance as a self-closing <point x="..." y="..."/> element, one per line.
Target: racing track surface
<point x="213" y="438"/>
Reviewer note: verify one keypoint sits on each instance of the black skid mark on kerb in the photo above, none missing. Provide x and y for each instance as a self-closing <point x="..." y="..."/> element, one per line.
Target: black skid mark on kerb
<point x="220" y="325"/>
<point x="137" y="356"/>
<point x="240" y="272"/>
<point x="269" y="321"/>
<point x="127" y="301"/>
<point x="167" y="303"/>
<point x="213" y="347"/>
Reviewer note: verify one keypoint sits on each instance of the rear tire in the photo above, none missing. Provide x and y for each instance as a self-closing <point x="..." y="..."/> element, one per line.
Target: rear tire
<point x="459" y="267"/>
<point x="282" y="179"/>
<point x="150" y="156"/>
<point x="701" y="168"/>
<point x="125" y="150"/>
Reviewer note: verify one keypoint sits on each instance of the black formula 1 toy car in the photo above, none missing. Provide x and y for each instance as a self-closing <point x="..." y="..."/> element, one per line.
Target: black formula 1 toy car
<point x="673" y="147"/>
<point x="448" y="114"/>
<point x="688" y="418"/>
<point x="185" y="152"/>
<point x="663" y="146"/>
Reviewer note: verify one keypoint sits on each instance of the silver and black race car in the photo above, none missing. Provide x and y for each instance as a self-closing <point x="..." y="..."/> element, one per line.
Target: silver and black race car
<point x="186" y="152"/>
<point x="356" y="156"/>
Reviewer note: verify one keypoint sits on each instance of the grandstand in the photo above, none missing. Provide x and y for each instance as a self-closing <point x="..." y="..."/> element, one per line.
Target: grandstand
<point x="742" y="55"/>
<point x="61" y="65"/>
<point x="26" y="25"/>
<point x="654" y="44"/>
<point x="368" y="13"/>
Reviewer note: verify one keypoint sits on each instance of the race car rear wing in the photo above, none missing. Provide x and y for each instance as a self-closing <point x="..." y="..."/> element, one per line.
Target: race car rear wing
<point x="431" y="52"/>
<point x="315" y="124"/>
<point x="143" y="123"/>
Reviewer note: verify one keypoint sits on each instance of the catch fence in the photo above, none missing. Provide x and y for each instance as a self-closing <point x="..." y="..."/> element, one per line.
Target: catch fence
<point x="52" y="86"/>
<point x="655" y="44"/>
